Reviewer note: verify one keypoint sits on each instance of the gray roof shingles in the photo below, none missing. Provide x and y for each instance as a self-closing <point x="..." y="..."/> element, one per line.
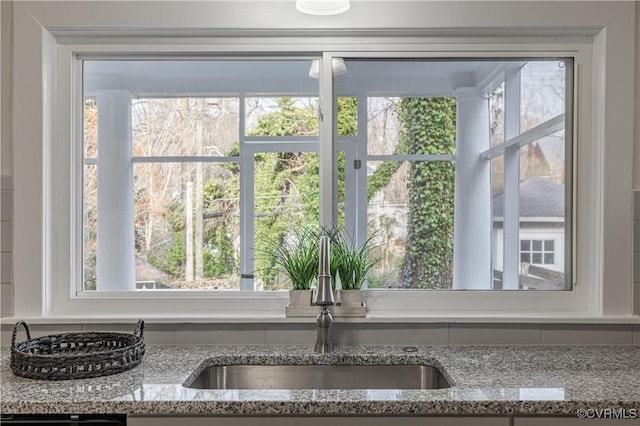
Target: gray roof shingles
<point x="538" y="198"/>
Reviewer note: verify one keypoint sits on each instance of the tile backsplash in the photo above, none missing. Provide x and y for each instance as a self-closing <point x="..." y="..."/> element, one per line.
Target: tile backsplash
<point x="636" y="251"/>
<point x="349" y="334"/>
<point x="6" y="246"/>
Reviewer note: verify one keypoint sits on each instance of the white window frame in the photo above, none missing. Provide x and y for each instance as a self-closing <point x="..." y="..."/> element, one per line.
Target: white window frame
<point x="47" y="37"/>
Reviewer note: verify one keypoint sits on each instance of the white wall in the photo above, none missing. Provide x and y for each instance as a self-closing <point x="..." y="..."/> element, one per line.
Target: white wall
<point x="6" y="24"/>
<point x="6" y="160"/>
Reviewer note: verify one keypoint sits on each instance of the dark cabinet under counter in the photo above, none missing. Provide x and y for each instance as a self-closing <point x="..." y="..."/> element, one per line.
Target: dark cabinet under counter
<point x="64" y="419"/>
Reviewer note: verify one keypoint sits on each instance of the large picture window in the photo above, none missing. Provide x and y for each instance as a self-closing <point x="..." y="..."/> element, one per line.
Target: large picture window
<point x="192" y="168"/>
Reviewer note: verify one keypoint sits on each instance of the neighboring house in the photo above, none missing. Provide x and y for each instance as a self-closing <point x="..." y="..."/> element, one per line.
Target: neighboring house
<point x="148" y="277"/>
<point x="542" y="235"/>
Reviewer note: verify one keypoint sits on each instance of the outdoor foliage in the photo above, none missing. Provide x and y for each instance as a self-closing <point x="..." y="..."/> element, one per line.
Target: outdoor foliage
<point x="286" y="190"/>
<point x="429" y="128"/>
<point x="286" y="184"/>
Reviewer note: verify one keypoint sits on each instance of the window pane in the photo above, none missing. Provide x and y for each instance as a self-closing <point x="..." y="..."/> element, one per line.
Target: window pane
<point x="387" y="219"/>
<point x="525" y="257"/>
<point x="281" y="116"/>
<point x="286" y="201"/>
<point x="536" y="258"/>
<point x="347" y="116"/>
<point x="542" y="209"/>
<point x="411" y="219"/>
<point x="90" y="131"/>
<point x="90" y="226"/>
<point x="496" y="110"/>
<point x="409" y="113"/>
<point x="542" y="92"/>
<point x="548" y="259"/>
<point x="383" y="127"/>
<point x="497" y="220"/>
<point x="390" y="134"/>
<point x="184" y="126"/>
<point x="185" y="221"/>
<point x="175" y="250"/>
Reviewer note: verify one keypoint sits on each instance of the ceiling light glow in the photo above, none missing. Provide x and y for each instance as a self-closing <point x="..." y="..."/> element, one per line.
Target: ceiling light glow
<point x="322" y="7"/>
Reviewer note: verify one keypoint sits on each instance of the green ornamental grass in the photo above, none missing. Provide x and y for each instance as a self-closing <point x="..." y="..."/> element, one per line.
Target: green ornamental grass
<point x="298" y="255"/>
<point x="349" y="261"/>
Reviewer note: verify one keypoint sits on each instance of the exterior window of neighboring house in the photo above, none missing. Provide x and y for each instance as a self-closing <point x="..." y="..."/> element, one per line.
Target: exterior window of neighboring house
<point x="191" y="167"/>
<point x="537" y="252"/>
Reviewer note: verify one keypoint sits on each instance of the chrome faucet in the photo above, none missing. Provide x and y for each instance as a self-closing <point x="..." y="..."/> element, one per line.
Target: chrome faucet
<point x="324" y="298"/>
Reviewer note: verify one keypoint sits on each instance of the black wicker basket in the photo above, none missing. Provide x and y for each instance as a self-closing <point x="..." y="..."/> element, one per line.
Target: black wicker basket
<point x="76" y="355"/>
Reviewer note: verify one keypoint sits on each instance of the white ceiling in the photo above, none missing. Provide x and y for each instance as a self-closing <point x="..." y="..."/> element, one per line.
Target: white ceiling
<point x="285" y="77"/>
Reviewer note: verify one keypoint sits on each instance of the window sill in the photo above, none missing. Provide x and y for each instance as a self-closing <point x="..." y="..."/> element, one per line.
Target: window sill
<point x="403" y="317"/>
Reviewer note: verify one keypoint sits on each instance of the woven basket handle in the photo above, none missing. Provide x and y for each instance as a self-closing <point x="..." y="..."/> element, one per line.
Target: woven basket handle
<point x="138" y="332"/>
<point x="15" y="331"/>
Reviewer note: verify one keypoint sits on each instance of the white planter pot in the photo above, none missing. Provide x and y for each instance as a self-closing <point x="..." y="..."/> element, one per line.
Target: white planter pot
<point x="351" y="297"/>
<point x="300" y="297"/>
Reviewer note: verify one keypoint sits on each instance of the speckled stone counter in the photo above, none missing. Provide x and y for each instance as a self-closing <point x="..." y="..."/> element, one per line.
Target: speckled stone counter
<point x="496" y="380"/>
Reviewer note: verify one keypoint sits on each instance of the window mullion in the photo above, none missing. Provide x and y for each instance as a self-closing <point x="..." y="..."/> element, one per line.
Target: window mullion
<point x="361" y="180"/>
<point x="412" y="157"/>
<point x="328" y="167"/>
<point x="541" y="131"/>
<point x="246" y="203"/>
<point x="178" y="159"/>
<point x="512" y="182"/>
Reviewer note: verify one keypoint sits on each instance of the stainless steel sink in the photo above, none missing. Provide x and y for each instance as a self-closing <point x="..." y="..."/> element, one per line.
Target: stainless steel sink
<point x="320" y="377"/>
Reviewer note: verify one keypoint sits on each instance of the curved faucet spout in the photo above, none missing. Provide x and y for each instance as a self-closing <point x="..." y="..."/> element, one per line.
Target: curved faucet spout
<point x="324" y="295"/>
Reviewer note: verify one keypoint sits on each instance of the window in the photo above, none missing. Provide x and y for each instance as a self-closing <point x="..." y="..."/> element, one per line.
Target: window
<point x="537" y="252"/>
<point x="197" y="169"/>
<point x="441" y="150"/>
<point x="200" y="165"/>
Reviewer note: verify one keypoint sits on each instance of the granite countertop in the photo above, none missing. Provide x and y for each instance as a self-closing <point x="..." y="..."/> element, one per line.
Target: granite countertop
<point x="495" y="380"/>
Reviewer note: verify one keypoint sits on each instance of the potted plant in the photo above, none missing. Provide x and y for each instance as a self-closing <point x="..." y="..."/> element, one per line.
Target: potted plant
<point x="297" y="254"/>
<point x="350" y="264"/>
